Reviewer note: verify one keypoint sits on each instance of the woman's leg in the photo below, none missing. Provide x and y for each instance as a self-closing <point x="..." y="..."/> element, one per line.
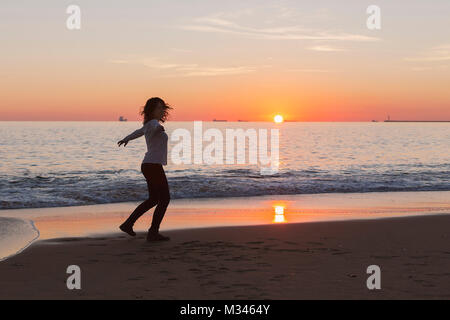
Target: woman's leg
<point x="163" y="198"/>
<point x="149" y="174"/>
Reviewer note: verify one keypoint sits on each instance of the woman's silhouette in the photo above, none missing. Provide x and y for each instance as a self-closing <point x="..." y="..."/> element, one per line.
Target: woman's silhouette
<point x="155" y="111"/>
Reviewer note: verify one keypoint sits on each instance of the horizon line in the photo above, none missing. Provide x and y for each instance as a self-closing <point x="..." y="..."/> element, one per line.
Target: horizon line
<point x="239" y="120"/>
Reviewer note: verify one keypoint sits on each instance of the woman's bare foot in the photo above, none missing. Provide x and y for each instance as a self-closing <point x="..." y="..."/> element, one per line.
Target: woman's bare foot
<point x="127" y="229"/>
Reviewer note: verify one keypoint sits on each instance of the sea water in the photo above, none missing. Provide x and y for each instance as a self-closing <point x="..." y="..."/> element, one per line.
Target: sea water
<point x="51" y="164"/>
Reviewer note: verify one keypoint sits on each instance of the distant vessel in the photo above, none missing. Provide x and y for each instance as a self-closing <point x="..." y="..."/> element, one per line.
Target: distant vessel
<point x="416" y="120"/>
<point x="389" y="120"/>
<point x="121" y="118"/>
<point x="217" y="120"/>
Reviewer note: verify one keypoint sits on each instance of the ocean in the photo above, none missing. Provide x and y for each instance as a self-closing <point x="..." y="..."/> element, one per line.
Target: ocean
<point x="52" y="164"/>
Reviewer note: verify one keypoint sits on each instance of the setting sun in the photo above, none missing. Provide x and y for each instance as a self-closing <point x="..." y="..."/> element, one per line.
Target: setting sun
<point x="278" y="118"/>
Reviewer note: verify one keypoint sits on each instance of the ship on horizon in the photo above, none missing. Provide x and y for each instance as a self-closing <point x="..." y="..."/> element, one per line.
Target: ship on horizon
<point x="121" y="118"/>
<point x="389" y="120"/>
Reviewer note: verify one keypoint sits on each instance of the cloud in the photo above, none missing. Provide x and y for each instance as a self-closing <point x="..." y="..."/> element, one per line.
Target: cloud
<point x="437" y="53"/>
<point x="433" y="68"/>
<point x="325" y="48"/>
<point x="420" y="68"/>
<point x="186" y="70"/>
<point x="182" y="50"/>
<point x="310" y="70"/>
<point x="118" y="61"/>
<point x="219" y="23"/>
<point x="215" y="71"/>
<point x="195" y="70"/>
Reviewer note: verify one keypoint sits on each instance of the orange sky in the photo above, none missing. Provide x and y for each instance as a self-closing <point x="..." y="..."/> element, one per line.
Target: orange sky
<point x="226" y="61"/>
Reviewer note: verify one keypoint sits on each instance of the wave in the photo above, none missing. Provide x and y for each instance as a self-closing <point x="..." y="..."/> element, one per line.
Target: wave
<point x="110" y="186"/>
<point x="15" y="236"/>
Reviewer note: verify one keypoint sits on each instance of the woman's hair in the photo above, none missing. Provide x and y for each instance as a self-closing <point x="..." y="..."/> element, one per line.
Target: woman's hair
<point x="152" y="103"/>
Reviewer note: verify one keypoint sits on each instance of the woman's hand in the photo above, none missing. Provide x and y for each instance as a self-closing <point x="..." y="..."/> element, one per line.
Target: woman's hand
<point x="124" y="142"/>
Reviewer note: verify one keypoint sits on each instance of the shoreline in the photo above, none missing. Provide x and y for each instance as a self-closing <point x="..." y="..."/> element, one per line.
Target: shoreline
<point x="238" y="198"/>
<point x="102" y="219"/>
<point x="21" y="242"/>
<point x="311" y="260"/>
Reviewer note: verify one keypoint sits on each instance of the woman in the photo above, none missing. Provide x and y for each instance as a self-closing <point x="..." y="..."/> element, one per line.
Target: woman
<point x="155" y="111"/>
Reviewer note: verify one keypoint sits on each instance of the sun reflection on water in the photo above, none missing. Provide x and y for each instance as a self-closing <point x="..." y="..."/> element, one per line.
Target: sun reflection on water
<point x="279" y="214"/>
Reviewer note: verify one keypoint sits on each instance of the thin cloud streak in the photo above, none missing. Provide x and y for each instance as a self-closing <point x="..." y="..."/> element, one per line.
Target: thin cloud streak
<point x="219" y="25"/>
<point x="438" y="53"/>
<point x="311" y="70"/>
<point x="326" y="49"/>
<point x="187" y="70"/>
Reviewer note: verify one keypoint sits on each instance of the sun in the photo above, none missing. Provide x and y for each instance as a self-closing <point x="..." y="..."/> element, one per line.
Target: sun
<point x="278" y="118"/>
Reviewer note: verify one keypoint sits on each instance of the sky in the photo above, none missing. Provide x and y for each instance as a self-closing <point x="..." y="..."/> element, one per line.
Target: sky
<point x="235" y="60"/>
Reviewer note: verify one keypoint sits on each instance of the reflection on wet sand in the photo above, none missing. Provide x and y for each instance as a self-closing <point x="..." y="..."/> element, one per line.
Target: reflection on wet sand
<point x="200" y="213"/>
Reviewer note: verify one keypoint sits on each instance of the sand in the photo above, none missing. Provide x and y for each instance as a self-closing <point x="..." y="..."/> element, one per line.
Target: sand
<point x="321" y="260"/>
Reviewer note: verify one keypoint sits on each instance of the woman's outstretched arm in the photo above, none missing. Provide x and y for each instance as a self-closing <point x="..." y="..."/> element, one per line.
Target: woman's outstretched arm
<point x="136" y="134"/>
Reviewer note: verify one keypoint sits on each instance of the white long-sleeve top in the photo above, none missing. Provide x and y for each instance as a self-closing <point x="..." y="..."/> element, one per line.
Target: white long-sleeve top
<point x="156" y="139"/>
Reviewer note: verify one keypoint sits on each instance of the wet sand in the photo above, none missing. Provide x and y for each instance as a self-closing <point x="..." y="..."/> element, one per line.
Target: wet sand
<point x="84" y="221"/>
<point x="314" y="260"/>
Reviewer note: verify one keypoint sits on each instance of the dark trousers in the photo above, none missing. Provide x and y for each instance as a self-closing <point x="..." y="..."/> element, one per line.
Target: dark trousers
<point x="158" y="194"/>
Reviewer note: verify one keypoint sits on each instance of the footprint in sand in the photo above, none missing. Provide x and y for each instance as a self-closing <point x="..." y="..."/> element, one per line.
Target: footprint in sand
<point x="16" y="264"/>
<point x="339" y="253"/>
<point x="219" y="254"/>
<point x="190" y="242"/>
<point x="263" y="264"/>
<point x="321" y="249"/>
<point x="276" y="278"/>
<point x="125" y="254"/>
<point x="287" y="250"/>
<point x="245" y="270"/>
<point x="240" y="285"/>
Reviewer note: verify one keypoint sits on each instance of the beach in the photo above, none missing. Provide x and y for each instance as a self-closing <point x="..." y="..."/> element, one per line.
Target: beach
<point x="318" y="260"/>
<point x="290" y="150"/>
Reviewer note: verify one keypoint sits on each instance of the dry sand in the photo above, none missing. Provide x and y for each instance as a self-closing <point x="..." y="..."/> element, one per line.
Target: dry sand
<point x="323" y="260"/>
